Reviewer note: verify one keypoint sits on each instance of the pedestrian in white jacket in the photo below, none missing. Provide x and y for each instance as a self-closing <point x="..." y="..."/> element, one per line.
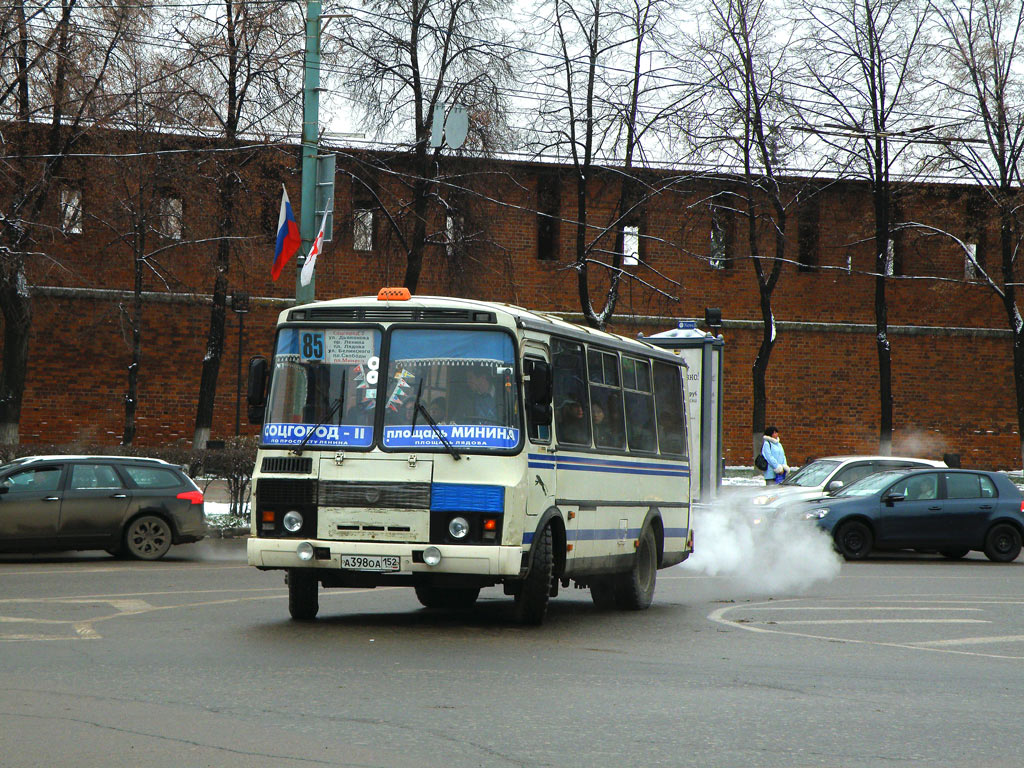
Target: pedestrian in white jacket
<point x="775" y="455"/>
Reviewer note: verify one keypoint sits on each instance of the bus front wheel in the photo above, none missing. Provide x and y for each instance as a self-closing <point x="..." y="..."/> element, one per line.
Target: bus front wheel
<point x="533" y="593"/>
<point x="634" y="590"/>
<point x="303" y="602"/>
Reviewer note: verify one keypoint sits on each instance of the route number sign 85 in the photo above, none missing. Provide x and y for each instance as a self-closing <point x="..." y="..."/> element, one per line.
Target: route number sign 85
<point x="311" y="345"/>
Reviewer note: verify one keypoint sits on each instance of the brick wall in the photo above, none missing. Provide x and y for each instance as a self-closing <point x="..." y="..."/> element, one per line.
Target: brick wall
<point x="953" y="391"/>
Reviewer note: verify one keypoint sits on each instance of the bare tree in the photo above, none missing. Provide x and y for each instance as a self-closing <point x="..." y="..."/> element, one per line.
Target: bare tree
<point x="236" y="82"/>
<point x="981" y="43"/>
<point x="743" y="57"/>
<point x="146" y="217"/>
<point x="56" y="56"/>
<point x="866" y="60"/>
<point x="601" y="104"/>
<point x="407" y="60"/>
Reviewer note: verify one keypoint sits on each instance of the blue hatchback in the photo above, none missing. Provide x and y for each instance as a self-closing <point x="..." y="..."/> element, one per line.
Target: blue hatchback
<point x="950" y="511"/>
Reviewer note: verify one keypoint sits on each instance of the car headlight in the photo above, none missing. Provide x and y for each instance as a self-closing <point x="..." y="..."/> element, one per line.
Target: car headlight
<point x="292" y="521"/>
<point x="764" y="499"/>
<point x="816" y="514"/>
<point x="458" y="527"/>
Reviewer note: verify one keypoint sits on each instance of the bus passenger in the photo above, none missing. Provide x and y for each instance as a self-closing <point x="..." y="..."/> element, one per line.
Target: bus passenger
<point x="571" y="427"/>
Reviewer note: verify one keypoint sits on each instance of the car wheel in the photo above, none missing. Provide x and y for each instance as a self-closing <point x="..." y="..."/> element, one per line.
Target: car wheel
<point x="602" y="592"/>
<point x="447" y="598"/>
<point x="634" y="590"/>
<point x="534" y="591"/>
<point x="1002" y="544"/>
<point x="954" y="554"/>
<point x="303" y="602"/>
<point x="854" y="540"/>
<point x="147" y="538"/>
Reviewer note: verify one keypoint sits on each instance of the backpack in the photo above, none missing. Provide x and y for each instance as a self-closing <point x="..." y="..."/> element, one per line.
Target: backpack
<point x="761" y="462"/>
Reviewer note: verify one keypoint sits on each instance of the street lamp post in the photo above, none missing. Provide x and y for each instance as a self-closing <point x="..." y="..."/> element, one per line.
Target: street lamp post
<point x="240" y="306"/>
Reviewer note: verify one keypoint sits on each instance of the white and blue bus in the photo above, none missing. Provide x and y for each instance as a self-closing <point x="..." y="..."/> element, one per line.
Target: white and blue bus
<point x="451" y="445"/>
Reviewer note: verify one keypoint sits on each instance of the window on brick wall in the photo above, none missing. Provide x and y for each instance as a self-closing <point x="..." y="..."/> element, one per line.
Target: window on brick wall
<point x="363" y="229"/>
<point x="454" y="234"/>
<point x="71" y="211"/>
<point x="721" y="240"/>
<point x="971" y="261"/>
<point x="549" y="211"/>
<point x="808" y="234"/>
<point x="630" y="245"/>
<point x="171" y="222"/>
<point x="977" y="236"/>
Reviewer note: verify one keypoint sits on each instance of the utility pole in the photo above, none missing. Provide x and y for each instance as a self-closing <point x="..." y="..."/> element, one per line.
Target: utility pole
<point x="310" y="140"/>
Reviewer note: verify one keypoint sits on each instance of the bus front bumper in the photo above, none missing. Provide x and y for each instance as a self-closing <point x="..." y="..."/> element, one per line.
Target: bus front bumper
<point x="489" y="560"/>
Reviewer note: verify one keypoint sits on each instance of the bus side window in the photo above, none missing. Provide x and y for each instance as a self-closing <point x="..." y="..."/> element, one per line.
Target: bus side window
<point x="668" y="398"/>
<point x="636" y="381"/>
<point x="606" y="396"/>
<point x="572" y="404"/>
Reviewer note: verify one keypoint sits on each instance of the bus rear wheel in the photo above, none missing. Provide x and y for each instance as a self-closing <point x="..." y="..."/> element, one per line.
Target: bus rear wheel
<point x="532" y="596"/>
<point x="634" y="590"/>
<point x="447" y="598"/>
<point x="303" y="602"/>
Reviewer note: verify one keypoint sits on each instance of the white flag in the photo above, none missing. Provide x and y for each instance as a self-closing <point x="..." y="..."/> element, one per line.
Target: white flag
<point x="310" y="264"/>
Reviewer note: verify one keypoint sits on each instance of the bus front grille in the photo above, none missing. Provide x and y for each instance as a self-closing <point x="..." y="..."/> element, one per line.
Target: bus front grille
<point x="378" y="495"/>
<point x="295" y="465"/>
<point x="274" y="492"/>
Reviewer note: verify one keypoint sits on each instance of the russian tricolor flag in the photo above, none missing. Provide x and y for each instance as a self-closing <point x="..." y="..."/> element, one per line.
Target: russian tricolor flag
<point x="288" y="238"/>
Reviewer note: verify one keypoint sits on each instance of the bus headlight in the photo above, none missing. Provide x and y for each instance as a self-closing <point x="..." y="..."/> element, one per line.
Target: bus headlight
<point x="304" y="551"/>
<point x="431" y="555"/>
<point x="292" y="521"/>
<point x="458" y="527"/>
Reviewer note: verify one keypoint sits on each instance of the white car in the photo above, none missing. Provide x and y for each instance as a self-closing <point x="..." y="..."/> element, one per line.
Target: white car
<point x="820" y="477"/>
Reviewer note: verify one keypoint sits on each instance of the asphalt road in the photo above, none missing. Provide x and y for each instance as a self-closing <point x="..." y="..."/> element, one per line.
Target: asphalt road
<point x="192" y="661"/>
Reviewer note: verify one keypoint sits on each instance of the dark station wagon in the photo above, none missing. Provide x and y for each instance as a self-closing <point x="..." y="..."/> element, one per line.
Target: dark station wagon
<point x="125" y="505"/>
<point x="950" y="511"/>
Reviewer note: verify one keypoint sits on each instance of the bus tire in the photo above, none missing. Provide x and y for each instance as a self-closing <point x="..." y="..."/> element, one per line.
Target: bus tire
<point x="602" y="592"/>
<point x="303" y="602"/>
<point x="533" y="593"/>
<point x="447" y="598"/>
<point x="634" y="589"/>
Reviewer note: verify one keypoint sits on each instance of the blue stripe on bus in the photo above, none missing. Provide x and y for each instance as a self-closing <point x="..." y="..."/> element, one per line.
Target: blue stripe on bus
<point x="608" y="534"/>
<point x="459" y="497"/>
<point x="599" y="465"/>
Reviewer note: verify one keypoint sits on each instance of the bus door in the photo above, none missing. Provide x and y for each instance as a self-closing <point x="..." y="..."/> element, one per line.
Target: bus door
<point x="540" y="479"/>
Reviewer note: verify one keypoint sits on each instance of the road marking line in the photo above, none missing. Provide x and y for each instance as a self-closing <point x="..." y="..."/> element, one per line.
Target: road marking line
<point x="972" y="641"/>
<point x="854" y="608"/>
<point x="86" y="632"/>
<point x="879" y="621"/>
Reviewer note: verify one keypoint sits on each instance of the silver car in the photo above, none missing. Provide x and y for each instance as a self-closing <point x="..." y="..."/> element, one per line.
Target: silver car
<point x="817" y="478"/>
<point x="125" y="505"/>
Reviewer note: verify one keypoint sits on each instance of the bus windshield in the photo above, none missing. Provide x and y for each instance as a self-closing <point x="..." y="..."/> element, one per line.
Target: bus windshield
<point x="465" y="379"/>
<point x="324" y="382"/>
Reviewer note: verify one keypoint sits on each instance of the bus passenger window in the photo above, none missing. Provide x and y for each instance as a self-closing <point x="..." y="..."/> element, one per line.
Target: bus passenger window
<point x="668" y="398"/>
<point x="640" y="430"/>
<point x="572" y="404"/>
<point x="606" y="397"/>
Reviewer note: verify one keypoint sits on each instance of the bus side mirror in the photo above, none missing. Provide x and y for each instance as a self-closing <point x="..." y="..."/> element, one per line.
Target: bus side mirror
<point x="257" y="398"/>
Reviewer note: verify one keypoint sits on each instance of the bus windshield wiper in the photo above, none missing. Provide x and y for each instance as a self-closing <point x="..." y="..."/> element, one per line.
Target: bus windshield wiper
<point x="418" y="407"/>
<point x="330" y="414"/>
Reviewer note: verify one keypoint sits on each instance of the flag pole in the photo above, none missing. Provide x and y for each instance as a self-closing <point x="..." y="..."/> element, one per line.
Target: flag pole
<point x="310" y="138"/>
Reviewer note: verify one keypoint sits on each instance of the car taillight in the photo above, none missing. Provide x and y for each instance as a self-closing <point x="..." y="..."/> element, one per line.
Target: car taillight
<point x="196" y="497"/>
